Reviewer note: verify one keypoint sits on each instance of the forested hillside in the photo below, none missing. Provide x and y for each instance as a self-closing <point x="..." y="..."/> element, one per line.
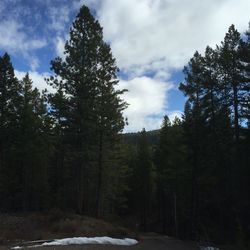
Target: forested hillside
<point x="66" y="150"/>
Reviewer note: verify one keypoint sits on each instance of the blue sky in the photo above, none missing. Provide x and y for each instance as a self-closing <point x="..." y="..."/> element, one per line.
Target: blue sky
<point x="151" y="40"/>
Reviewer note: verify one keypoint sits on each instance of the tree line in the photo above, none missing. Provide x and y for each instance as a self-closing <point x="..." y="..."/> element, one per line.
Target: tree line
<point x="61" y="149"/>
<point x="198" y="171"/>
<point x="66" y="149"/>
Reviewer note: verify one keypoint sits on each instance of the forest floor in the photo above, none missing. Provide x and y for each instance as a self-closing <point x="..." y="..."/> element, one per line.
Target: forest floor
<point x="16" y="229"/>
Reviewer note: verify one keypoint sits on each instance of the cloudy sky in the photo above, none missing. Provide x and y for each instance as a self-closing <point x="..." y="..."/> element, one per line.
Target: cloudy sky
<point x="151" y="40"/>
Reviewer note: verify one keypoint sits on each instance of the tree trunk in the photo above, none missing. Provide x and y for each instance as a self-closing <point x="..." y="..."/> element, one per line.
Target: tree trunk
<point x="80" y="189"/>
<point x="100" y="173"/>
<point x="236" y="113"/>
<point x="175" y="215"/>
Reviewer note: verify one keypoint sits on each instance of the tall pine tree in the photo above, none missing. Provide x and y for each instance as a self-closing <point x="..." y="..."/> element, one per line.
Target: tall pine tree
<point x="9" y="103"/>
<point x="85" y="81"/>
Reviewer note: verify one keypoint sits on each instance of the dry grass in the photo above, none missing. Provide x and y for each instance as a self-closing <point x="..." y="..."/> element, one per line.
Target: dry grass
<point x="38" y="226"/>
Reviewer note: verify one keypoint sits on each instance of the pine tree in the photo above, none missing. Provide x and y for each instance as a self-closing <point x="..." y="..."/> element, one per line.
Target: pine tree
<point x="244" y="53"/>
<point x="93" y="115"/>
<point x="230" y="71"/>
<point x="60" y="178"/>
<point x="9" y="101"/>
<point x="143" y="180"/>
<point x="172" y="174"/>
<point x="216" y="87"/>
<point x="33" y="146"/>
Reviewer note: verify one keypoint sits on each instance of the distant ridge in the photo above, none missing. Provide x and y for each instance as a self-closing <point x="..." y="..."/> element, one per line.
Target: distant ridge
<point x="132" y="138"/>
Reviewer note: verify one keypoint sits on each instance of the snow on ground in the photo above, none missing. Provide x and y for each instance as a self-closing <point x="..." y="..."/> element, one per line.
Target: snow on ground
<point x="209" y="248"/>
<point x="95" y="240"/>
<point x="86" y="240"/>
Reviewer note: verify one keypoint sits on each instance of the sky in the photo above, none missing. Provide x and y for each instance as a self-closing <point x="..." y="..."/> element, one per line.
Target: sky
<point x="152" y="40"/>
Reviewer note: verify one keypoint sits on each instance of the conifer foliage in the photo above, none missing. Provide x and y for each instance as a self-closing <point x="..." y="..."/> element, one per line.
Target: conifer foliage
<point x="217" y="88"/>
<point x="90" y="107"/>
<point x="24" y="142"/>
<point x="66" y="149"/>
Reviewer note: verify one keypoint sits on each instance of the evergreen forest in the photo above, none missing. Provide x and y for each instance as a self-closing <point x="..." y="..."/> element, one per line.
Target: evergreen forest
<point x="66" y="149"/>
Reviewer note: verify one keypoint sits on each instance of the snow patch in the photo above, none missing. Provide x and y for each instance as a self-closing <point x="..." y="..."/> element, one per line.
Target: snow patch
<point x="85" y="240"/>
<point x="94" y="240"/>
<point x="209" y="248"/>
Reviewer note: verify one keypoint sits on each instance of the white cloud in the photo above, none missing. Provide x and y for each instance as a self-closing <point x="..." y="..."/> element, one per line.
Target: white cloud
<point x="165" y="33"/>
<point x="13" y="38"/>
<point x="92" y="4"/>
<point x="173" y="114"/>
<point x="147" y="100"/>
<point x="59" y="17"/>
<point x="37" y="78"/>
<point x="59" y="44"/>
<point x="148" y="38"/>
<point x="34" y="63"/>
<point x="153" y="37"/>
